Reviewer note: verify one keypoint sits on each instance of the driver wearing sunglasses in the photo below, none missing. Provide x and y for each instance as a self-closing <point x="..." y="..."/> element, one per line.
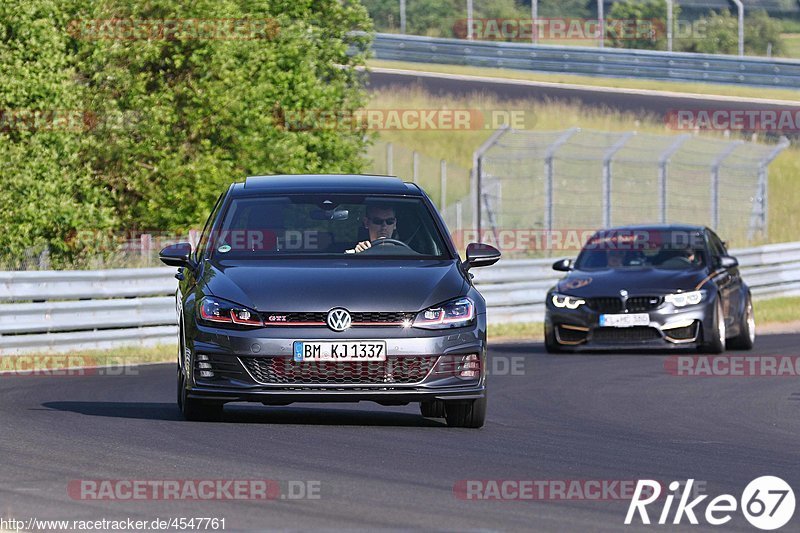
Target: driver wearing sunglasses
<point x="381" y="223"/>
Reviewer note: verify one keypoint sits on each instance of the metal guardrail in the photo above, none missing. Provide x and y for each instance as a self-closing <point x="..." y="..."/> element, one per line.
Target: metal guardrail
<point x="80" y="310"/>
<point x="646" y="64"/>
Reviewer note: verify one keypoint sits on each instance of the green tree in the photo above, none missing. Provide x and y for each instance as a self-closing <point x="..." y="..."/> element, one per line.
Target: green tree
<point x="47" y="192"/>
<point x="719" y="34"/>
<point x="170" y="120"/>
<point x="639" y="24"/>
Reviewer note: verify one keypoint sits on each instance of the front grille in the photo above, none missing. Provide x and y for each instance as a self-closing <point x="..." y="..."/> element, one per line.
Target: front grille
<point x="641" y="304"/>
<point x="634" y="304"/>
<point x="623" y="335"/>
<point x="320" y="318"/>
<point x="605" y="305"/>
<point x="285" y="371"/>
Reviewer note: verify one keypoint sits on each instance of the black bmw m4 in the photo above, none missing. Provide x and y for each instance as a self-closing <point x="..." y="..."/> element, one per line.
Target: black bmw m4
<point x="650" y="286"/>
<point x="330" y="289"/>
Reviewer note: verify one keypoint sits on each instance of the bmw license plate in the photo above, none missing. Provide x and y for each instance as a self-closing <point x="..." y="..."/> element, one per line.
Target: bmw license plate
<point x="339" y="351"/>
<point x="625" y="321"/>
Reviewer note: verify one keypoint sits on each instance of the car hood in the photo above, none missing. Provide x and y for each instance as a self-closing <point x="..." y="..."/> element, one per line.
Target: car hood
<point x="591" y="283"/>
<point x="319" y="285"/>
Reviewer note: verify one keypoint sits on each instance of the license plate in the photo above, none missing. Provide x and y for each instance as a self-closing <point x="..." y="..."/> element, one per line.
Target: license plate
<point x="625" y="321"/>
<point x="339" y="351"/>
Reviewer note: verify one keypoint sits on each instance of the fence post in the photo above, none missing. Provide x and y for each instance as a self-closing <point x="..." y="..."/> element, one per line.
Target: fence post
<point x="146" y="245"/>
<point x="762" y="196"/>
<point x="459" y="218"/>
<point x="663" y="161"/>
<point x="477" y="172"/>
<point x="609" y="155"/>
<point x="715" y="181"/>
<point x="389" y="159"/>
<point x="443" y="184"/>
<point x="548" y="177"/>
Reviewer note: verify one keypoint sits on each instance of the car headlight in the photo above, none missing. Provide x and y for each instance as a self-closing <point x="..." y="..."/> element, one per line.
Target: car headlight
<point x="570" y="302"/>
<point x="682" y="299"/>
<point x="453" y="314"/>
<point x="219" y="311"/>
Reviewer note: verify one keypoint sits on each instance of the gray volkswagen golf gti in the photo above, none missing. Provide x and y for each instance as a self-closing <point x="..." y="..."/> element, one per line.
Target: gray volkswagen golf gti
<point x="330" y="288"/>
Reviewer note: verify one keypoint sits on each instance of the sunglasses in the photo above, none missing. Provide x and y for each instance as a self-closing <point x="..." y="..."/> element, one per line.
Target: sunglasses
<point x="383" y="221"/>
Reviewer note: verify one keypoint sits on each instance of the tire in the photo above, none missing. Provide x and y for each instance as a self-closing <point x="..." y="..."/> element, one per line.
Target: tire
<point x="193" y="409"/>
<point x="747" y="328"/>
<point x="550" y="343"/>
<point x="465" y="414"/>
<point x="714" y="340"/>
<point x="432" y="409"/>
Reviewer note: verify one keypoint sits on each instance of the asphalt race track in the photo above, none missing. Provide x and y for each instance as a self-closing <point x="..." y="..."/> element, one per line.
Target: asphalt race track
<point x="556" y="417"/>
<point x="640" y="101"/>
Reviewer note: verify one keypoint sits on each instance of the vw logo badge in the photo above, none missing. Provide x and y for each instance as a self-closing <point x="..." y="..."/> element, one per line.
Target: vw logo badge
<point x="339" y="319"/>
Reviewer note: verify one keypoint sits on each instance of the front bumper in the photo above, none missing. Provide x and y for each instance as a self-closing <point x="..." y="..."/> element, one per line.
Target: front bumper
<point x="669" y="328"/>
<point x="257" y="366"/>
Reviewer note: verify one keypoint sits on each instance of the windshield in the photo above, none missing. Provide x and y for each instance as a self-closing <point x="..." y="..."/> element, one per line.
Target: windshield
<point x="669" y="250"/>
<point x="327" y="225"/>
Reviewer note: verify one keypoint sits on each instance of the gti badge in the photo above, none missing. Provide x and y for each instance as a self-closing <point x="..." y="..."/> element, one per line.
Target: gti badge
<point x="339" y="319"/>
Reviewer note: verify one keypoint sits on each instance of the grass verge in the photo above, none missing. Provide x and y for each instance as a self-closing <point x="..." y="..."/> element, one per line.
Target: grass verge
<point x="714" y="89"/>
<point x="777" y="310"/>
<point x="116" y="359"/>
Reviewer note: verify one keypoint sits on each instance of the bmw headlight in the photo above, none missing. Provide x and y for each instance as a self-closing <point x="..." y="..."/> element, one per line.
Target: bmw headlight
<point x="682" y="299"/>
<point x="569" y="302"/>
<point x="453" y="314"/>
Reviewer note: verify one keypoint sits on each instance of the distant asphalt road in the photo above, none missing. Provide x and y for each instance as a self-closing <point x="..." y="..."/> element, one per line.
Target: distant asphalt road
<point x="631" y="100"/>
<point x="558" y="417"/>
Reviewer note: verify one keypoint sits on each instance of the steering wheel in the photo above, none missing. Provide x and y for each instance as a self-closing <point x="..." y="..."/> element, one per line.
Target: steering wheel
<point x="677" y="262"/>
<point x="386" y="240"/>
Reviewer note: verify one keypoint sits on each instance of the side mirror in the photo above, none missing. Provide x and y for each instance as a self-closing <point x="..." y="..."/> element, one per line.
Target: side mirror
<point x="479" y="255"/>
<point x="727" y="261"/>
<point x="178" y="255"/>
<point x="564" y="265"/>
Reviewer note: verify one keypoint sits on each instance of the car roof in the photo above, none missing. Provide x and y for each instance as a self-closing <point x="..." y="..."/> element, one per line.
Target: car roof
<point x="326" y="183"/>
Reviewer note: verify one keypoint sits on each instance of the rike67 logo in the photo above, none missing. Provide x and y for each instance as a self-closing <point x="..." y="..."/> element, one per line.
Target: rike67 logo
<point x="767" y="503"/>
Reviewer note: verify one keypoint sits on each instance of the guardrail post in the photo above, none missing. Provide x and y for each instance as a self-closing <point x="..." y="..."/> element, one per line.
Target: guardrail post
<point x="389" y="159"/>
<point x="715" y="181"/>
<point x="443" y="184"/>
<point x="663" y="161"/>
<point x="403" y="16"/>
<point x="548" y="177"/>
<point x="477" y="172"/>
<point x="609" y="155"/>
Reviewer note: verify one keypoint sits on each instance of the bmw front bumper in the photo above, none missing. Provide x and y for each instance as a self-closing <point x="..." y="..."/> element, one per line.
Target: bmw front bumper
<point x="669" y="328"/>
